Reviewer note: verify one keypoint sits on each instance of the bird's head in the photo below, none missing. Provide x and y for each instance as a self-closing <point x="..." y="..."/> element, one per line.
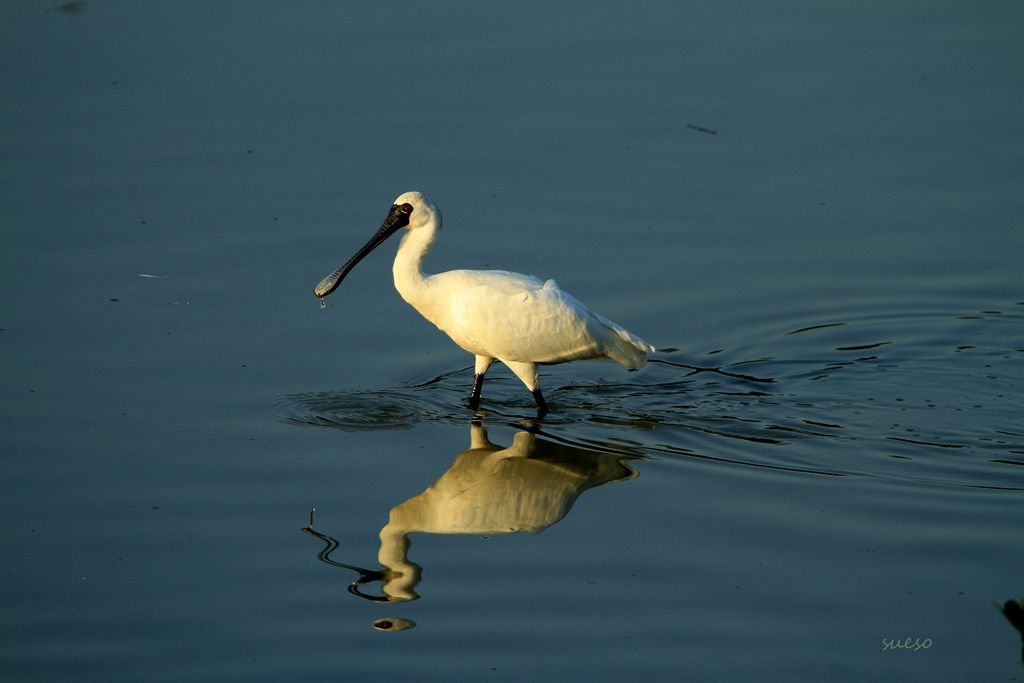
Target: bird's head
<point x="411" y="210"/>
<point x="417" y="208"/>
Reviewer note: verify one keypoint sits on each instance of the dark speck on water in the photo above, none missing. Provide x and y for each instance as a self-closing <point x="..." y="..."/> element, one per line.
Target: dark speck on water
<point x="702" y="129"/>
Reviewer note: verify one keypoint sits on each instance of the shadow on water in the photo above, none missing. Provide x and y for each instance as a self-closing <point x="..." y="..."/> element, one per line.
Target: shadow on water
<point x="930" y="398"/>
<point x="1013" y="610"/>
<point x="489" y="489"/>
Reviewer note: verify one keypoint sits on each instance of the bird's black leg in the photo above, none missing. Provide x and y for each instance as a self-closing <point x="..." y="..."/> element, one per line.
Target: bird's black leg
<point x="542" y="405"/>
<point x="474" y="397"/>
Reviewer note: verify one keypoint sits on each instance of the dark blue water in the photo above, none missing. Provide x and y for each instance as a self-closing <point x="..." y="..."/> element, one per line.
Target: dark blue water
<point x="813" y="211"/>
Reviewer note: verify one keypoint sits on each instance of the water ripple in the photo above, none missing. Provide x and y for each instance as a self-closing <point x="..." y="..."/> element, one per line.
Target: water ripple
<point x="362" y="410"/>
<point x="928" y="404"/>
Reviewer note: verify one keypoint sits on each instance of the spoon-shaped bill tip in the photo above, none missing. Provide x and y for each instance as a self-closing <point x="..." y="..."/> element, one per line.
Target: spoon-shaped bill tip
<point x="328" y="284"/>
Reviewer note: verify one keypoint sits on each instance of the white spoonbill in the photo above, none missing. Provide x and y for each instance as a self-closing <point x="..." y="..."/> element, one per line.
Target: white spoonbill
<point x="493" y="314"/>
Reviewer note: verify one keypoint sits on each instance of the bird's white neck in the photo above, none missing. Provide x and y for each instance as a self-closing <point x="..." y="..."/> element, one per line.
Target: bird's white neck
<point x="410" y="281"/>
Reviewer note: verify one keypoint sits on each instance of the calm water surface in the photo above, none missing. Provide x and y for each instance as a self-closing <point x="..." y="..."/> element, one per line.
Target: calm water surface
<point x="814" y="212"/>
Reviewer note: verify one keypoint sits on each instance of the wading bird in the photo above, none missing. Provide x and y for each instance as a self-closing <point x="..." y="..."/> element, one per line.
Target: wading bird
<point x="493" y="314"/>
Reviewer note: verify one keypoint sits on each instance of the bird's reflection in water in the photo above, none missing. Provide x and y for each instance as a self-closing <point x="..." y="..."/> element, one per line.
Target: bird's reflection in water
<point x="489" y="489"/>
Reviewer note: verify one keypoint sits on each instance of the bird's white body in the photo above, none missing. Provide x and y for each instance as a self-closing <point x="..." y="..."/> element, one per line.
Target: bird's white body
<point x="497" y="315"/>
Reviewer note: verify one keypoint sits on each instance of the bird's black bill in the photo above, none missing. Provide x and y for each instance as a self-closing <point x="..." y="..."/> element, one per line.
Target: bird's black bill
<point x="396" y="219"/>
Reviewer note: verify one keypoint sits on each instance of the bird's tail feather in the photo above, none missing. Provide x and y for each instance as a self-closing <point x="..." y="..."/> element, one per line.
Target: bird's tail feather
<point x="625" y="347"/>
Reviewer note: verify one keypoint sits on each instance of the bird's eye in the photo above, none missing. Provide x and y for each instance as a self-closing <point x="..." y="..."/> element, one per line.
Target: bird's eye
<point x="406" y="208"/>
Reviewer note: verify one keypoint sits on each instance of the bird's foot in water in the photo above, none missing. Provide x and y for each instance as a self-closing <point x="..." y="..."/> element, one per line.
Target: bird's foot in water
<point x="542" y="405"/>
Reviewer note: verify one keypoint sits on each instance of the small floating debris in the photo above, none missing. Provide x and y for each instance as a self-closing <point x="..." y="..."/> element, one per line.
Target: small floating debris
<point x="150" y="276"/>
<point x="389" y="624"/>
<point x="702" y="129"/>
